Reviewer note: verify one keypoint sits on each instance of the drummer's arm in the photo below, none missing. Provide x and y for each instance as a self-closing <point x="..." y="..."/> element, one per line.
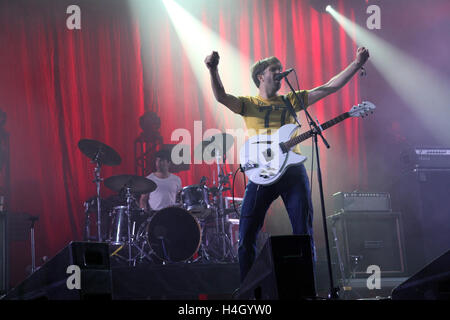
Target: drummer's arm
<point x="143" y="201"/>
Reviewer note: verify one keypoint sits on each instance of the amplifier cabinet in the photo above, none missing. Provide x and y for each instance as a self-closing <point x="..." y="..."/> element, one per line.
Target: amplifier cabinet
<point x="423" y="196"/>
<point x="362" y="201"/>
<point x="361" y="239"/>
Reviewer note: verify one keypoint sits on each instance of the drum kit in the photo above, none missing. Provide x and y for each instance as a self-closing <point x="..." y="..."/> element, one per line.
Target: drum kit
<point x="194" y="229"/>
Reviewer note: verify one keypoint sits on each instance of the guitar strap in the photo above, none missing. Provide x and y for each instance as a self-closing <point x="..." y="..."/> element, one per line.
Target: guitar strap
<point x="290" y="108"/>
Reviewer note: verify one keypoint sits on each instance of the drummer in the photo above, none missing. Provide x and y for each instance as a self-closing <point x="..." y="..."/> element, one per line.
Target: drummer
<point x="168" y="185"/>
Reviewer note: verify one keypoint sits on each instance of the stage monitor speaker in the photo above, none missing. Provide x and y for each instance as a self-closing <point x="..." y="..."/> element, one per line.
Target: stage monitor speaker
<point x="430" y="283"/>
<point x="367" y="238"/>
<point x="282" y="271"/>
<point x="49" y="282"/>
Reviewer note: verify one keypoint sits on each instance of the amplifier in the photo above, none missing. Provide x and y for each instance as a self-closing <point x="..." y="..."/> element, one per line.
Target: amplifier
<point x="361" y="239"/>
<point x="420" y="157"/>
<point x="362" y="201"/>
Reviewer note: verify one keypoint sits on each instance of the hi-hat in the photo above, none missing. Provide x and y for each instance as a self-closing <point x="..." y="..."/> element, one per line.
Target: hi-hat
<point x="137" y="184"/>
<point x="219" y="143"/>
<point x="99" y="152"/>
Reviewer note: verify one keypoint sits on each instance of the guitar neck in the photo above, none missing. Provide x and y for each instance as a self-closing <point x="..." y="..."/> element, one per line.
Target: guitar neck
<point x="306" y="135"/>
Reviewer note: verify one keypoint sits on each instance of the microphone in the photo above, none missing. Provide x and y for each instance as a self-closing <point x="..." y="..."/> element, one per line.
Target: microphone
<point x="281" y="75"/>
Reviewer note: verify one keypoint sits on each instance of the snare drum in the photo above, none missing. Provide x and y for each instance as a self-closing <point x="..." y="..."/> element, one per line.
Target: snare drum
<point x="195" y="200"/>
<point x="172" y="234"/>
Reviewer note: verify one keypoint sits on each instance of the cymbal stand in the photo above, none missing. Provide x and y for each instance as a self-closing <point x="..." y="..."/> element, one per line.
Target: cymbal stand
<point x="87" y="222"/>
<point x="226" y="241"/>
<point x="128" y="213"/>
<point x="33" y="244"/>
<point x="131" y="240"/>
<point x="98" y="180"/>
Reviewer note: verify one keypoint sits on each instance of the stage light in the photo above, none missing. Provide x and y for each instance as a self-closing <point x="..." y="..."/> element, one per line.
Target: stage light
<point x="322" y="5"/>
<point x="423" y="89"/>
<point x="328" y="8"/>
<point x="198" y="40"/>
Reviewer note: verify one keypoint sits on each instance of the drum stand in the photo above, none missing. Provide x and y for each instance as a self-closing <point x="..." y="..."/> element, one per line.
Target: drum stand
<point x="227" y="248"/>
<point x="131" y="241"/>
<point x="203" y="255"/>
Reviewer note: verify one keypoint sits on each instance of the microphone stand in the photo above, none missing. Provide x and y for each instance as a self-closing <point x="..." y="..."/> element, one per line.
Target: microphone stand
<point x="317" y="130"/>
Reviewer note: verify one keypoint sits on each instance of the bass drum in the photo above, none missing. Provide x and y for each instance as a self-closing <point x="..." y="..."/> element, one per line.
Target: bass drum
<point x="172" y="234"/>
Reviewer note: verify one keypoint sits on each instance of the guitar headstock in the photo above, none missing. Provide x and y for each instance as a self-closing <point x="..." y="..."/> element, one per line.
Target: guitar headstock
<point x="362" y="109"/>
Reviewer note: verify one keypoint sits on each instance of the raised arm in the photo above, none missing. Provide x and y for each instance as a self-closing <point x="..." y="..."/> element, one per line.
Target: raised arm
<point x="228" y="100"/>
<point x="338" y="81"/>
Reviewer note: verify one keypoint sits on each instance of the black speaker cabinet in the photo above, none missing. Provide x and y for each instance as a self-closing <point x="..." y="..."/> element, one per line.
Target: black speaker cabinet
<point x="49" y="282"/>
<point x="361" y="239"/>
<point x="430" y="283"/>
<point x="282" y="271"/>
<point x="423" y="197"/>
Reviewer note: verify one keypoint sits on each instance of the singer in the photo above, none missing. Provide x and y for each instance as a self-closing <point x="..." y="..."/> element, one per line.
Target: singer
<point x="264" y="113"/>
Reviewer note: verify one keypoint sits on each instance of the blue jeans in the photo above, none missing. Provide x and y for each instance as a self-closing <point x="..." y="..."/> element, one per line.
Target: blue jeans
<point x="294" y="189"/>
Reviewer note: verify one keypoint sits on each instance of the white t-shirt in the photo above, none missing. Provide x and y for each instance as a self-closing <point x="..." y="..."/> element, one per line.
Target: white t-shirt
<point x="165" y="193"/>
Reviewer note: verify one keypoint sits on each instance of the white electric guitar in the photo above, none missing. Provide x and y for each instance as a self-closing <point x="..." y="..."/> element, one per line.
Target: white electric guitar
<point x="265" y="158"/>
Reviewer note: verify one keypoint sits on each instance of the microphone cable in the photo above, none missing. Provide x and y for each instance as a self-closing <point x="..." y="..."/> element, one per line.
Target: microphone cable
<point x="232" y="190"/>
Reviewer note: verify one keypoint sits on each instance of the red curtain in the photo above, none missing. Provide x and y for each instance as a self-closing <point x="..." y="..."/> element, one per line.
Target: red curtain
<point x="58" y="86"/>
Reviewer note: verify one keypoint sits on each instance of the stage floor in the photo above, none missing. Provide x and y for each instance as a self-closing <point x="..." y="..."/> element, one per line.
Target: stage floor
<point x="185" y="281"/>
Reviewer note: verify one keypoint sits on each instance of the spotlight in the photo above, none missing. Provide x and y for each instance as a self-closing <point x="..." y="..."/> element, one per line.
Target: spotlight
<point x="406" y="75"/>
<point x="322" y="5"/>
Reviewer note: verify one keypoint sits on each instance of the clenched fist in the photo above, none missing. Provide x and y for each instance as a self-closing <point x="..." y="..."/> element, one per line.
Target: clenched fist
<point x="362" y="54"/>
<point x="212" y="60"/>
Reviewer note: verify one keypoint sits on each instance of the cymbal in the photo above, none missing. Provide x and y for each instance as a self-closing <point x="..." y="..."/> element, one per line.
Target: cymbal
<point x="137" y="184"/>
<point x="99" y="152"/>
<point x="206" y="150"/>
